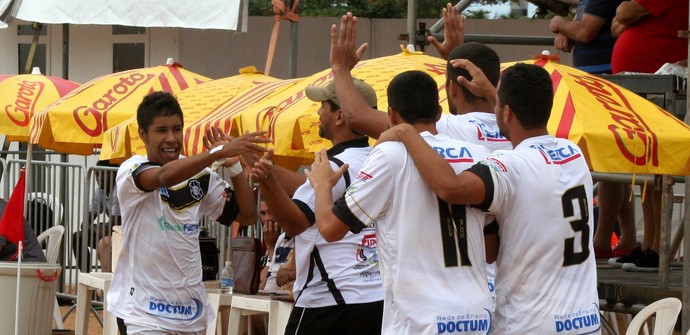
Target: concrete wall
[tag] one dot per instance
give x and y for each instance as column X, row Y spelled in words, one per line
column 217, row 54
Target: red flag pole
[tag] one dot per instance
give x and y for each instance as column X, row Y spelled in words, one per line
column 20, row 248
column 12, row 220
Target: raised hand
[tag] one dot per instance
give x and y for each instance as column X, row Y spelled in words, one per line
column 479, row 85
column 264, row 167
column 344, row 54
column 453, row 31
column 322, row 174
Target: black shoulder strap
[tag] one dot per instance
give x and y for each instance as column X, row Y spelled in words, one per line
column 346, row 175
column 315, row 260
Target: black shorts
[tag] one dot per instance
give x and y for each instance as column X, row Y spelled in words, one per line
column 353, row 319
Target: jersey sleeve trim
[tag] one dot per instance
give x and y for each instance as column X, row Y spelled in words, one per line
column 141, row 168
column 230, row 209
column 342, row 212
column 484, row 173
column 306, row 210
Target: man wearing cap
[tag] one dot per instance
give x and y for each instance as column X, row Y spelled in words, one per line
column 338, row 285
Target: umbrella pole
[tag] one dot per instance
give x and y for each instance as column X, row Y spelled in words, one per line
column 34, row 43
column 19, row 272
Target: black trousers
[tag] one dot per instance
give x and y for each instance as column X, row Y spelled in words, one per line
column 352, row 319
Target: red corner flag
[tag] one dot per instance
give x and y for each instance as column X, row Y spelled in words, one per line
column 12, row 220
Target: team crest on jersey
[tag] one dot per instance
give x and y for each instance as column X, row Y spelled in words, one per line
column 560, row 155
column 195, row 189
column 486, row 134
column 455, row 155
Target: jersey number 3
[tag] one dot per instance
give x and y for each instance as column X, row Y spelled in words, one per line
column 453, row 233
column 580, row 225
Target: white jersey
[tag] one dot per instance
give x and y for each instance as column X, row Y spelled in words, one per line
column 158, row 278
column 341, row 272
column 546, row 275
column 476, row 127
column 432, row 255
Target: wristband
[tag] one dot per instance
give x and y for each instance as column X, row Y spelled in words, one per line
column 233, row 170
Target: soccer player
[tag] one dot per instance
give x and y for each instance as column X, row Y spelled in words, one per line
column 338, row 285
column 431, row 253
column 540, row 193
column 157, row 286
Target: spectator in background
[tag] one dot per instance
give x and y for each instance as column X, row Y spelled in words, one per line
column 278, row 246
column 589, row 38
column 32, row 251
column 647, row 33
column 104, row 213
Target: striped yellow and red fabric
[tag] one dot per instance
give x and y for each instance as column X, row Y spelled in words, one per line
column 212, row 97
column 293, row 122
column 619, row 131
column 22, row 96
column 75, row 124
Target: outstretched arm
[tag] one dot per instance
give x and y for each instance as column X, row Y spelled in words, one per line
column 583, row 31
column 465, row 188
column 344, row 56
column 453, row 31
column 284, row 210
column 322, row 179
column 182, row 169
column 289, row 180
column 244, row 197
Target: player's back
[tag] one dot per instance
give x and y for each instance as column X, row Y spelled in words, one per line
column 432, row 254
column 546, row 276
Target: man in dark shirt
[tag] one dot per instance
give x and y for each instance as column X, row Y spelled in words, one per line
column 32, row 250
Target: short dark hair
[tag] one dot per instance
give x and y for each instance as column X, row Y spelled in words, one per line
column 414, row 95
column 480, row 55
column 157, row 104
column 528, row 90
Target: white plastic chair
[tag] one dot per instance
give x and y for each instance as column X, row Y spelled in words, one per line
column 666, row 311
column 53, row 235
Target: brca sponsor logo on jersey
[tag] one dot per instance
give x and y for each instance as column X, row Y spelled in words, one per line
column 455, row 155
column 585, row 321
column 560, row 155
column 187, row 227
column 486, row 134
column 176, row 310
column 479, row 323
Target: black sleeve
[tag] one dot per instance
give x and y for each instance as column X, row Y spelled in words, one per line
column 306, row 210
column 143, row 167
column 491, row 228
column 231, row 210
column 484, row 172
column 342, row 212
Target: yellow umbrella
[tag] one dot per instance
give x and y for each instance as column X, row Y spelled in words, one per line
column 226, row 116
column 292, row 119
column 618, row 130
column 75, row 124
column 21, row 96
column 122, row 141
